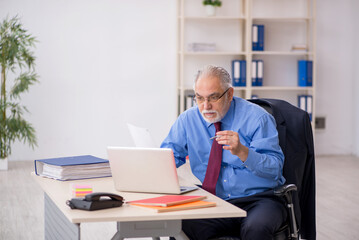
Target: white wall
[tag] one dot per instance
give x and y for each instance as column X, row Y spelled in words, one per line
column 101, row 64
column 105, row 63
column 336, row 87
column 355, row 58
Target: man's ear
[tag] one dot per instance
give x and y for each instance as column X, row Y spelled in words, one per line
column 230, row 93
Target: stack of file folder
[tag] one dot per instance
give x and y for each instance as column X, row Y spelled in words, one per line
column 72, row 168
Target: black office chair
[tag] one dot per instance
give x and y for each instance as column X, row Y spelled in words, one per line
column 296, row 140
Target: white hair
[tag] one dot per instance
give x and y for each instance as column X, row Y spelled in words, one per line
column 214, row 71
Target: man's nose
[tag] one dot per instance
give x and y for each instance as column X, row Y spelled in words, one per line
column 207, row 105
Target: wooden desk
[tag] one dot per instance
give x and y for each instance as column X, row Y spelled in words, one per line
column 62, row 222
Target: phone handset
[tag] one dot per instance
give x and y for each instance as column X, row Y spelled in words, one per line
column 96, row 201
column 98, row 195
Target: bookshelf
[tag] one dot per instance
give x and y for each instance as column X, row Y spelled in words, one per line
column 230, row 30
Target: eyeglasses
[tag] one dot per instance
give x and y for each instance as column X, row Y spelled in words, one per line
column 210, row 99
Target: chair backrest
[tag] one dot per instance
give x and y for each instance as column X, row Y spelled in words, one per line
column 296, row 140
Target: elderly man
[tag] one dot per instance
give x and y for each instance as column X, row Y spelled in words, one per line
column 234, row 151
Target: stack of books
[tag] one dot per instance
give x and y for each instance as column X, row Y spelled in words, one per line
column 73, row 168
column 168, row 203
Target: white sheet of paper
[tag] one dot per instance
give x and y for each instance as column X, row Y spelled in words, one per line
column 141, row 136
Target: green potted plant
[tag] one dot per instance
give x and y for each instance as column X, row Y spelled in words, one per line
column 17, row 74
column 211, row 5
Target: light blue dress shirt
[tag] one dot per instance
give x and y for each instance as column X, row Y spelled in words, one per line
column 190, row 135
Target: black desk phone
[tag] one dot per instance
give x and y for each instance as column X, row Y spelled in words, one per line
column 96, row 201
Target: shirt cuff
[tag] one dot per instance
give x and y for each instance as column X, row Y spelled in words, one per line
column 179, row 161
column 250, row 163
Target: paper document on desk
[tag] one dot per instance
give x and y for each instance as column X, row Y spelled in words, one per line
column 141, row 137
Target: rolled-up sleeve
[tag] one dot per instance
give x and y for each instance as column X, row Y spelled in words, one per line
column 265, row 157
column 176, row 140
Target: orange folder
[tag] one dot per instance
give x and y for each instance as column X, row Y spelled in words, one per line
column 183, row 206
column 168, row 200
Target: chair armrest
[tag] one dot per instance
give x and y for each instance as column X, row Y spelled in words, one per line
column 285, row 192
column 284, row 189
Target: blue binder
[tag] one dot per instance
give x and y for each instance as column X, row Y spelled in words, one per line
column 305, row 102
column 243, row 74
column 254, row 72
column 236, row 73
column 305, row 73
column 302, row 102
column 255, row 41
column 261, row 38
column 257, row 37
column 259, row 81
column 70, row 162
column 239, row 73
column 309, row 73
column 257, row 73
column 309, row 105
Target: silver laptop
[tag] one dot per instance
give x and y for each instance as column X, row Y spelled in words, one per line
column 151, row 170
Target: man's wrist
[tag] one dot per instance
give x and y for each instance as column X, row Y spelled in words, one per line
column 243, row 153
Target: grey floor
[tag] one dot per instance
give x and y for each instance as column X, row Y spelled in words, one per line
column 21, row 202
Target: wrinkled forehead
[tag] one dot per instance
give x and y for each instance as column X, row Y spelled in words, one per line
column 208, row 85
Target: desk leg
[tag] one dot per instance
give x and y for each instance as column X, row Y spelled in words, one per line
column 57, row 226
column 153, row 229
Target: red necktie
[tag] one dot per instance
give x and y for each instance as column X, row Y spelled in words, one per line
column 214, row 164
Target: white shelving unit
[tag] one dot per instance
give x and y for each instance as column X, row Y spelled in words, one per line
column 286, row 23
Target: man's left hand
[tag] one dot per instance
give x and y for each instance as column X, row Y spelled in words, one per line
column 230, row 141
